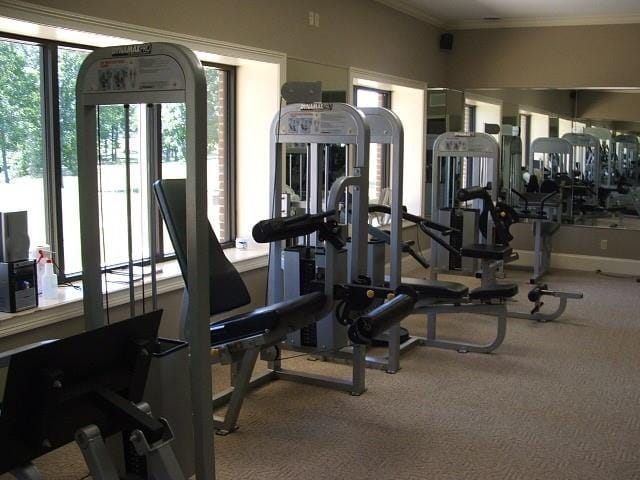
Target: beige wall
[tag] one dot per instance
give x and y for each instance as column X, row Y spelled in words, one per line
column 359, row 33
column 578, row 240
column 617, row 106
column 554, row 57
column 552, row 101
column 332, row 77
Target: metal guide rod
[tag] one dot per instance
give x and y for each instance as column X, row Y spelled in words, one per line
column 152, row 73
column 154, row 147
column 127, row 163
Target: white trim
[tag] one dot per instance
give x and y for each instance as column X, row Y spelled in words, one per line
column 544, row 22
column 388, row 80
column 584, row 263
column 64, row 19
column 415, row 12
column 477, row 97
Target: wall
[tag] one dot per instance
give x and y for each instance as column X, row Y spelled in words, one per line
column 332, row 78
column 359, row 33
column 553, row 57
column 619, row 106
column 555, row 101
column 579, row 240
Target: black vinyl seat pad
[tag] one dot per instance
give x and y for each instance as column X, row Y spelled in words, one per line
column 487, row 252
column 439, row 290
column 295, row 314
column 435, row 288
column 506, row 290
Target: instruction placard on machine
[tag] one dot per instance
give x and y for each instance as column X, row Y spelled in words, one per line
column 318, row 123
column 157, row 72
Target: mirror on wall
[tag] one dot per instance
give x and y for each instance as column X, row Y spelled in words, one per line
column 582, row 144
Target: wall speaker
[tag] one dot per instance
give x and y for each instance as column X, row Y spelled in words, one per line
column 14, row 236
column 446, row 41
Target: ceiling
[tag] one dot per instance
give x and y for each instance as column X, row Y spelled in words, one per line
column 519, row 13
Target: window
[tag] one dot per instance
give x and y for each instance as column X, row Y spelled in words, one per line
column 379, row 155
column 469, row 118
column 22, row 167
column 525, row 136
column 39, row 165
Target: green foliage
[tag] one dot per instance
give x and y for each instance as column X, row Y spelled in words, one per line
column 174, row 120
column 69, row 61
column 21, row 151
column 21, row 114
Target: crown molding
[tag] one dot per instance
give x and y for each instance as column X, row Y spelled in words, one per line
column 545, row 22
column 413, row 11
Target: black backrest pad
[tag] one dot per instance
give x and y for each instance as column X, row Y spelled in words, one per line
column 226, row 288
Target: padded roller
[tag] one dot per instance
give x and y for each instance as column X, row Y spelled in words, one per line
column 369, row 326
column 289, row 314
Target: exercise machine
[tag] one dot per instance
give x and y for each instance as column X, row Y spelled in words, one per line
column 241, row 339
column 336, row 255
column 461, row 160
column 86, row 388
column 150, row 74
column 481, row 247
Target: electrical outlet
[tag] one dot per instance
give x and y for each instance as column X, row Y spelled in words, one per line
column 603, row 244
column 312, row 19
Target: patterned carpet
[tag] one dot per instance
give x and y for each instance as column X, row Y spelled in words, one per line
column 556, row 401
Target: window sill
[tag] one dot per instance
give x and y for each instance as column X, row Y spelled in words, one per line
column 69, row 302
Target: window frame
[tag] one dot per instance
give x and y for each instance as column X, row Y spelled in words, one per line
column 386, row 150
column 525, row 136
column 470, row 117
column 52, row 155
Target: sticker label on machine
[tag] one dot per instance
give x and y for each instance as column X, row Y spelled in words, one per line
column 318, row 123
column 463, row 145
column 157, row 72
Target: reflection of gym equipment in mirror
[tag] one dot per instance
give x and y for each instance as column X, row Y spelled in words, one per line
column 585, row 176
column 547, row 197
column 483, row 235
column 626, row 164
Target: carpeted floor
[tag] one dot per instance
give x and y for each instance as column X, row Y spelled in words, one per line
column 556, row 401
